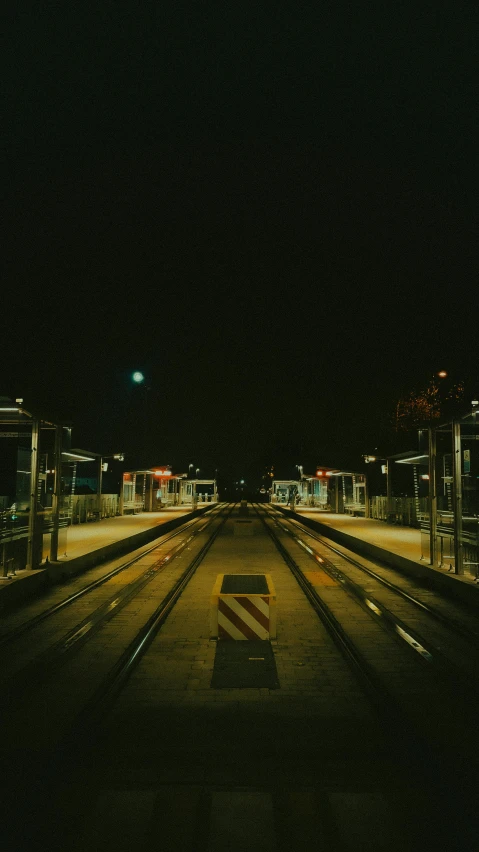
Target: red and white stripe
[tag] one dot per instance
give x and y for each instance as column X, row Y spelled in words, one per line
column 243, row 617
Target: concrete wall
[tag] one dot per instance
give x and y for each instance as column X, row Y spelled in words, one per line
column 26, row 585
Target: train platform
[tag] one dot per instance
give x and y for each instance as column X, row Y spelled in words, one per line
column 405, row 541
column 84, row 545
column 398, row 546
column 83, row 538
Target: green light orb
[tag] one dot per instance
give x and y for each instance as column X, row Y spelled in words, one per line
column 138, row 377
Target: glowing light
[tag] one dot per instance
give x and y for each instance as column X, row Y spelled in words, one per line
column 442, row 374
column 319, row 473
column 138, row 377
column 77, row 457
column 412, row 642
column 329, row 473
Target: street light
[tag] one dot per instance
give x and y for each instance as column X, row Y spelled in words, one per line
column 139, row 380
column 197, row 472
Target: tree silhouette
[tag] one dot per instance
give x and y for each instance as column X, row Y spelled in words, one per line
column 428, row 406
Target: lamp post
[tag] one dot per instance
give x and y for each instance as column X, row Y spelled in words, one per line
column 139, row 379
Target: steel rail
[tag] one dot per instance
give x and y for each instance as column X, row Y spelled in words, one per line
column 33, row 672
column 38, row 619
column 123, row 668
column 451, row 624
column 381, row 698
column 436, row 769
column 390, row 622
column 389, row 712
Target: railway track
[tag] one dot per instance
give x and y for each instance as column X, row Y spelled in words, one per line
column 442, row 632
column 151, row 583
column 357, row 708
column 10, row 634
column 422, row 691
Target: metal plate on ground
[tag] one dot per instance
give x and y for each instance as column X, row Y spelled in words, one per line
column 244, row 584
column 245, row 665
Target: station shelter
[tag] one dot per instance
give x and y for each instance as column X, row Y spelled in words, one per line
column 347, row 493
column 197, row 491
column 318, row 488
column 305, row 491
column 288, row 491
column 328, row 489
column 450, row 525
column 152, row 489
column 38, row 487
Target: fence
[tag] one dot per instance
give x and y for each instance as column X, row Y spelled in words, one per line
column 81, row 508
column 405, row 511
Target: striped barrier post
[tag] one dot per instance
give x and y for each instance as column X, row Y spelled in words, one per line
column 243, row 606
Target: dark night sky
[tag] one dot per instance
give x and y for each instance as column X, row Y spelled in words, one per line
column 271, row 213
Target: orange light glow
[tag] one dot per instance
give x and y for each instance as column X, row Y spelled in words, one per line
column 442, row 374
column 319, row 473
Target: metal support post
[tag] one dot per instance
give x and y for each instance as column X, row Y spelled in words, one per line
column 336, row 495
column 56, row 494
column 99, row 483
column 121, row 501
column 457, row 497
column 432, row 498
column 32, row 555
column 389, row 489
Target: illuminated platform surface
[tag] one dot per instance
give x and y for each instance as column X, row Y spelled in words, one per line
column 83, row 538
column 179, row 765
column 405, row 541
column 404, row 548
